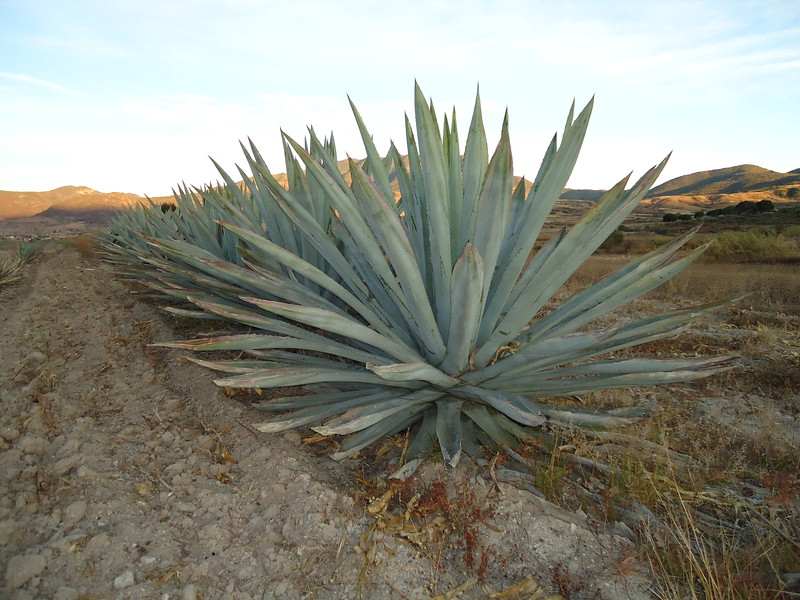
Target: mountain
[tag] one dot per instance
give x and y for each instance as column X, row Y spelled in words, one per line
column 67, row 210
column 590, row 195
column 733, row 180
column 73, row 209
column 72, row 199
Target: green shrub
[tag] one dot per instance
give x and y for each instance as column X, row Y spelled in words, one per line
column 756, row 245
column 613, row 241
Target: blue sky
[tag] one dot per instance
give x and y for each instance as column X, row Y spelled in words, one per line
column 135, row 96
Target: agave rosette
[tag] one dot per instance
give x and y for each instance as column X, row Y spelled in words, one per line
column 418, row 311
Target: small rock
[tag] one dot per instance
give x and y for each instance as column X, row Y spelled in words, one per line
column 9, row 434
column 282, row 587
column 74, row 513
column 125, row 580
column 147, row 560
column 24, row 567
column 63, row 466
column 292, row 436
column 71, row 446
column 189, row 592
column 85, row 472
column 31, row 444
column 171, row 404
column 66, row 593
column 29, row 368
column 7, row 529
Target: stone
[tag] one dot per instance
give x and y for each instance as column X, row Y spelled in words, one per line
column 74, row 513
column 7, row 528
column 125, row 580
column 24, row 567
column 66, row 593
column 189, row 592
column 31, row 444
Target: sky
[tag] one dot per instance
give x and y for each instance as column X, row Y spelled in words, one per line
column 136, row 96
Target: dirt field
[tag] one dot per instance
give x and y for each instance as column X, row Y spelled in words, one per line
column 127, row 474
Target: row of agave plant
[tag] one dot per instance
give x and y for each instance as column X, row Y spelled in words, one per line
column 408, row 294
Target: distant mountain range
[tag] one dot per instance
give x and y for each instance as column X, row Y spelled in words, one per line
column 69, row 209
column 67, row 199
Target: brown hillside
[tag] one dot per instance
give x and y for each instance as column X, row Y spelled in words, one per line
column 733, row 180
column 75, row 199
column 711, row 201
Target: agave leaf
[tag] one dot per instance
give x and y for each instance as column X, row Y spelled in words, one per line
column 238, row 367
column 611, row 292
column 364, row 240
column 455, row 178
column 437, row 217
column 271, row 342
column 361, row 417
column 622, row 366
column 291, row 376
column 413, row 372
column 597, row 419
column 192, row 314
column 254, row 319
column 520, row 409
column 476, row 161
column 448, row 430
column 424, row 438
column 388, row 426
column 352, row 278
column 541, row 200
column 319, row 400
column 307, row 270
column 338, row 324
column 490, row 424
column 541, row 385
column 494, row 206
column 385, row 222
column 465, row 314
column 551, row 352
column 376, row 168
column 583, row 239
column 226, row 342
column 313, row 414
column 409, row 205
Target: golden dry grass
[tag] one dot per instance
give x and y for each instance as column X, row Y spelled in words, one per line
column 727, row 519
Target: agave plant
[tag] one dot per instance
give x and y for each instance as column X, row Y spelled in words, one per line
column 408, row 294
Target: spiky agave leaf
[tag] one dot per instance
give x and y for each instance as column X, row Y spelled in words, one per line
column 419, row 311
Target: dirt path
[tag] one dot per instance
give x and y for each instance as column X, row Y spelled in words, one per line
column 127, row 474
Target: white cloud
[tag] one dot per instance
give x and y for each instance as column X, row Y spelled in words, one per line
column 44, row 84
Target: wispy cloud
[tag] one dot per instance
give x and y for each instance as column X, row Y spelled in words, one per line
column 45, row 84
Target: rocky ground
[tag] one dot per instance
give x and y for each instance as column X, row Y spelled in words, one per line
column 127, row 474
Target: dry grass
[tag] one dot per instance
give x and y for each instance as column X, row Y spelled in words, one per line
column 770, row 289
column 717, row 510
column 85, row 245
column 16, row 257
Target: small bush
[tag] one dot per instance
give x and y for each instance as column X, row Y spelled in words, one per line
column 793, row 231
column 613, row 241
column 84, row 244
column 748, row 246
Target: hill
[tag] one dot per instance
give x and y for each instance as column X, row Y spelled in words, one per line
column 66, row 199
column 63, row 211
column 72, row 209
column 732, row 180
